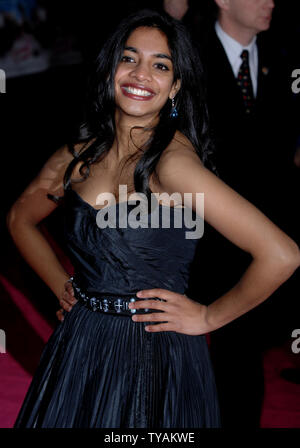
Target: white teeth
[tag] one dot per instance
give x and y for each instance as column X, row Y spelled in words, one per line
column 138, row 92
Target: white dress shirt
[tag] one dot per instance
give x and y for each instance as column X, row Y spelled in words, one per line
column 233, row 50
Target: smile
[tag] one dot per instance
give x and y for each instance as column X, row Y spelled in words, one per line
column 137, row 93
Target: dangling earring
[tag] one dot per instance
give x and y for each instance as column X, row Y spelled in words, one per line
column 174, row 113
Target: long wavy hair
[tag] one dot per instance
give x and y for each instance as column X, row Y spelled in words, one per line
column 98, row 130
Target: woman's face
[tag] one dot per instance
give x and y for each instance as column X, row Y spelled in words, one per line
column 144, row 76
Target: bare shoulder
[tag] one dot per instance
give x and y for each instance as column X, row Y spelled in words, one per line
column 34, row 203
column 52, row 172
column 179, row 155
column 63, row 156
column 50, row 177
column 55, row 167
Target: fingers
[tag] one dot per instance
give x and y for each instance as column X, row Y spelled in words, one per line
column 60, row 314
column 67, row 305
column 163, row 317
column 68, row 294
column 160, row 327
column 152, row 304
column 69, row 288
column 172, row 305
column 164, row 294
column 149, row 317
column 154, row 317
column 68, row 299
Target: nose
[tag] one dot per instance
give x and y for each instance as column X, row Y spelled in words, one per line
column 270, row 4
column 141, row 72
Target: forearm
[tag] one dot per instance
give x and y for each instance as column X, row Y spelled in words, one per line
column 40, row 256
column 259, row 281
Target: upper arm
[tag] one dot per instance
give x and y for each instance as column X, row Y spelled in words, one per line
column 224, row 209
column 33, row 205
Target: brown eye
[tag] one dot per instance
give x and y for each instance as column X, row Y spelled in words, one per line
column 162, row 67
column 127, row 59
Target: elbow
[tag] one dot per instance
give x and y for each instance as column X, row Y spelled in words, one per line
column 19, row 221
column 289, row 258
column 297, row 258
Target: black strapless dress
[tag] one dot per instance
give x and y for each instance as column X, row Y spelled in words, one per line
column 102, row 370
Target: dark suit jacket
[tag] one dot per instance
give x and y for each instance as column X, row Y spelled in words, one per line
column 253, row 155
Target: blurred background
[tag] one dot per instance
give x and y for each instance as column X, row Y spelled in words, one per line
column 46, row 50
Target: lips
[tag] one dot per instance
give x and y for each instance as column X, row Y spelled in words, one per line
column 137, row 92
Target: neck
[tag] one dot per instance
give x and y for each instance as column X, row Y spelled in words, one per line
column 128, row 140
column 239, row 33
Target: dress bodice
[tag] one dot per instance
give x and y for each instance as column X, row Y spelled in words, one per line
column 125, row 259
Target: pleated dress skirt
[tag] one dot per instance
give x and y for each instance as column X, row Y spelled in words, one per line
column 102, row 370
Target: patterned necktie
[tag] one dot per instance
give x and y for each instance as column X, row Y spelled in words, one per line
column 244, row 82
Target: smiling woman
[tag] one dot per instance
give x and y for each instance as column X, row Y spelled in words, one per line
column 130, row 350
column 143, row 77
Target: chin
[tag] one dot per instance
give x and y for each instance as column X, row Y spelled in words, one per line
column 264, row 25
column 138, row 115
column 137, row 112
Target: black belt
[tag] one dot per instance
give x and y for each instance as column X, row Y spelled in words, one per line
column 111, row 304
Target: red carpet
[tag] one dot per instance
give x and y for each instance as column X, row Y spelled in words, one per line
column 27, row 331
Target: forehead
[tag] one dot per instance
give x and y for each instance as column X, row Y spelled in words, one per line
column 150, row 40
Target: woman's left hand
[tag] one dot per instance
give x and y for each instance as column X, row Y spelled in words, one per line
column 180, row 313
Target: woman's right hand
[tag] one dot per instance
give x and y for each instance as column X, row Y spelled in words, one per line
column 67, row 301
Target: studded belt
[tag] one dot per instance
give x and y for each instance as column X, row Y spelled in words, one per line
column 109, row 303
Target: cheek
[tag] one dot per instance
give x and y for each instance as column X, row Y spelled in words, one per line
column 165, row 87
column 118, row 74
column 121, row 71
column 245, row 11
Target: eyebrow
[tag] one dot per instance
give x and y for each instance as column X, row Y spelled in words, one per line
column 157, row 55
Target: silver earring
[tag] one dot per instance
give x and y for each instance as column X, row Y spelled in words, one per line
column 174, row 113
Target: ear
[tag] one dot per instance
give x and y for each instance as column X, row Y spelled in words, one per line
column 175, row 88
column 222, row 4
